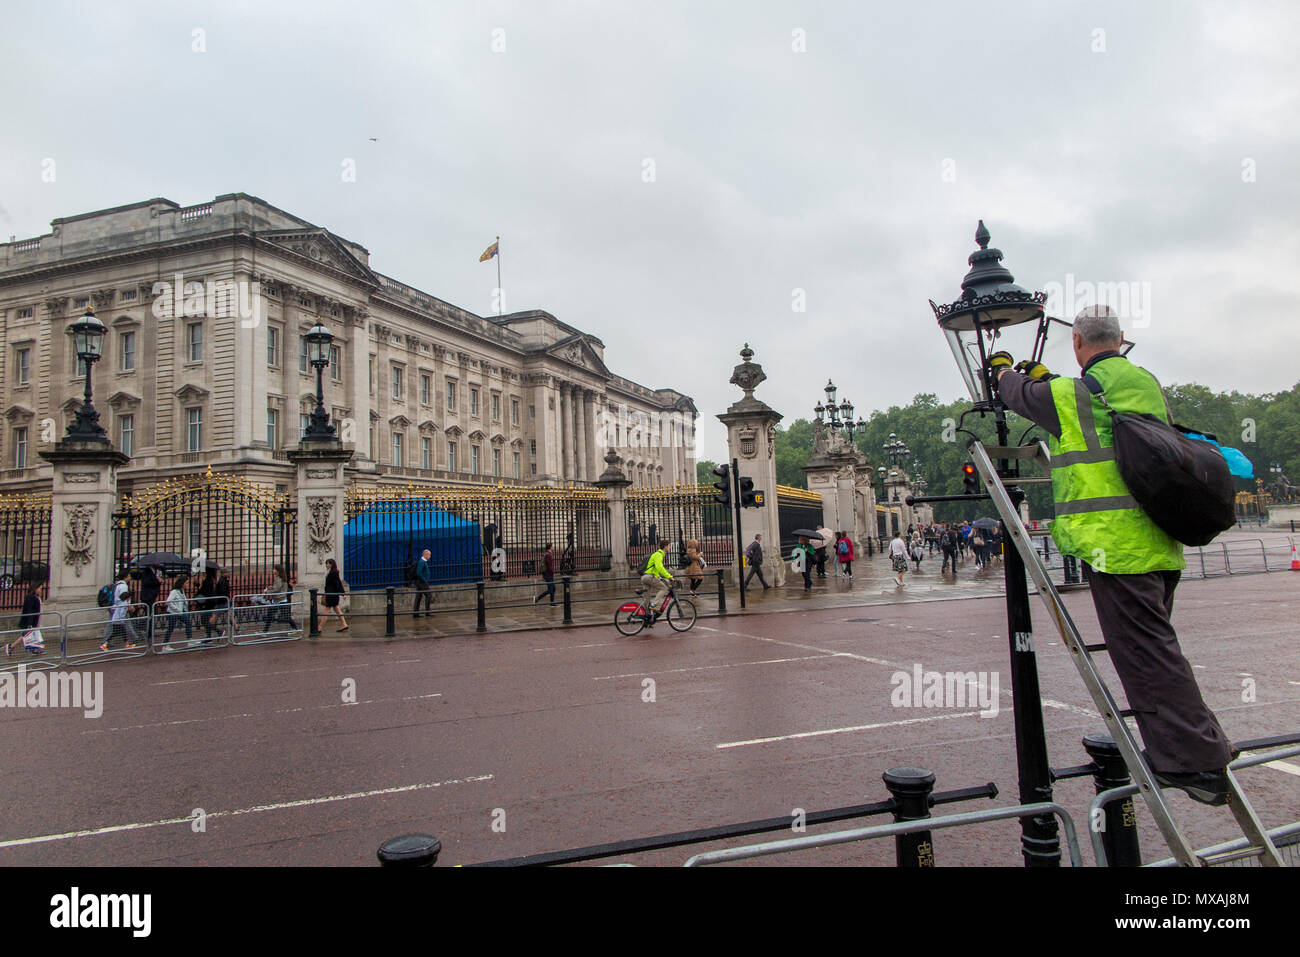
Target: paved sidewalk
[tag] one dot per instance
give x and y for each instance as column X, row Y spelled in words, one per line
column 872, row 584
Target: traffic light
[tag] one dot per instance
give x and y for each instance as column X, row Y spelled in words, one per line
column 970, row 479
column 748, row 497
column 723, row 485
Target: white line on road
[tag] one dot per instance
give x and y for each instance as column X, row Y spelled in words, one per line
column 734, row 664
column 859, row 727
column 598, row 644
column 1286, row 766
column 263, row 674
column 306, row 802
column 258, row 714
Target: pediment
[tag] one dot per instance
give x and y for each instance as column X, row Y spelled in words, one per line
column 400, row 421
column 577, row 351
column 428, row 425
column 190, row 391
column 20, row 413
column 478, row 435
column 123, row 399
column 498, row 439
column 70, row 405
column 454, row 430
column 320, row 246
column 516, row 443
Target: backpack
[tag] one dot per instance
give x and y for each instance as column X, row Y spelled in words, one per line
column 105, row 597
column 842, row 547
column 412, row 572
column 1183, row 484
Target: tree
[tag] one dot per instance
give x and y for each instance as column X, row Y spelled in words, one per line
column 704, row 472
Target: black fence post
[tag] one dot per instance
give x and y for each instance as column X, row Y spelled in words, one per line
column 722, row 594
column 390, row 623
column 1071, row 569
column 313, row 617
column 482, row 608
column 568, row 607
column 1119, row 834
column 911, row 789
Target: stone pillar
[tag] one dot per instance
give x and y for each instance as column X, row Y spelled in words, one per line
column 321, row 517
column 580, row 430
column 81, row 522
column 615, row 484
column 566, row 433
column 590, row 464
column 751, row 436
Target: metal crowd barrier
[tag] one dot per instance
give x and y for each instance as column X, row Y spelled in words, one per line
column 51, row 628
column 896, row 830
column 91, row 635
column 258, row 619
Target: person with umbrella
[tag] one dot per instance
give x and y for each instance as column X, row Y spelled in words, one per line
column 804, row 547
column 150, row 589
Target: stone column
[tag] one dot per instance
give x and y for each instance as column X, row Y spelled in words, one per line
column 566, row 435
column 751, row 432
column 321, row 517
column 615, row 484
column 580, row 430
column 81, row 522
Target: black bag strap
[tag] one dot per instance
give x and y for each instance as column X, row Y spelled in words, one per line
column 1095, row 388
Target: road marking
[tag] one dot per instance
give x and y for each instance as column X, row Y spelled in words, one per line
column 258, row 714
column 734, row 664
column 1286, row 766
column 305, row 802
column 598, row 644
column 263, row 674
column 859, row 727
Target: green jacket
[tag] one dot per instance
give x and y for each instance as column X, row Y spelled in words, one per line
column 1097, row 519
column 655, row 565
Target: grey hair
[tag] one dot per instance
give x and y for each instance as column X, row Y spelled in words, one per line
column 1098, row 325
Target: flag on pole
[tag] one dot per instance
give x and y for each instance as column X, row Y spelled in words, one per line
column 489, row 252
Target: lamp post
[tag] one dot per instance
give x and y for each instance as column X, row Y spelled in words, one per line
column 88, row 343
column 990, row 302
column 318, row 354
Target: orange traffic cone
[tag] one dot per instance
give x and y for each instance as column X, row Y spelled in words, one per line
column 1295, row 559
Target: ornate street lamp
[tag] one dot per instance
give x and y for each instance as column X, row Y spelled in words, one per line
column 88, row 342
column 318, row 354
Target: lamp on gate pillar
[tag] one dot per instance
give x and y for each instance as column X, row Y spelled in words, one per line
column 88, row 342
column 991, row 302
column 318, row 354
column 838, row 417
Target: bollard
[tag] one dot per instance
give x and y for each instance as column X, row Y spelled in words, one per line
column 870, row 551
column 568, row 608
column 1119, row 834
column 911, row 789
column 409, row 850
column 482, row 608
column 722, row 594
column 390, row 623
column 313, row 618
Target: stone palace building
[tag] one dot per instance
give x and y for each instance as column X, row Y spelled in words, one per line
column 205, row 364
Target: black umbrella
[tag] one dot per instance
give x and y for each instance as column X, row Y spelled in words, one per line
column 988, row 524
column 805, row 533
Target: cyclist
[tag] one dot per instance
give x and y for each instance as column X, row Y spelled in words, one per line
column 655, row 581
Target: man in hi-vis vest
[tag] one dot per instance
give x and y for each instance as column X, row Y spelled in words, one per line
column 1133, row 566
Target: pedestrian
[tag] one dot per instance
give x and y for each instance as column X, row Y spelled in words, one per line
column 977, row 546
column 177, row 613
column 220, row 599
column 548, row 574
column 655, row 581
column 820, row 547
column 809, row 557
column 423, row 578
column 694, row 565
column 930, row 538
column 29, row 622
column 150, row 589
column 754, row 559
column 1096, row 515
column 207, row 599
column 917, row 552
column 334, row 593
column 281, row 600
column 898, row 557
column 119, row 621
column 844, row 552
column 948, row 546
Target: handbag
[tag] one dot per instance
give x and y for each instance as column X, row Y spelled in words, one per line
column 34, row 640
column 345, row 600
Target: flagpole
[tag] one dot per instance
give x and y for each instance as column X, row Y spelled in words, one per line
column 500, row 292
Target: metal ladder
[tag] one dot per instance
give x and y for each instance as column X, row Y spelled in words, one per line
column 1081, row 654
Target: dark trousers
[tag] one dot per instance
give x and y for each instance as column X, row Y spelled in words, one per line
column 422, row 591
column 548, row 590
column 949, row 558
column 1179, row 730
column 821, row 562
column 755, row 570
column 807, row 578
column 695, row 584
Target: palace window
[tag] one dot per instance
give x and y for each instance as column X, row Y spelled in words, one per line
column 126, row 353
column 194, row 341
column 473, row 455
column 496, row 462
column 336, row 364
column 304, row 420
column 514, row 412
column 451, row 395
column 397, row 382
column 303, row 364
column 451, row 456
column 473, row 401
column 273, row 428
column 20, row 448
column 426, row 452
column 127, row 295
column 272, row 346
column 25, row 312
column 398, row 440
column 23, row 365
column 496, row 407
column 426, row 389
column 193, row 430
column 515, row 464
column 126, row 434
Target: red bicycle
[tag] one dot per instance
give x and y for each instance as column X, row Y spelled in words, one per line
column 632, row 616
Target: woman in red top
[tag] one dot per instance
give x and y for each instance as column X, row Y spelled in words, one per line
column 844, row 552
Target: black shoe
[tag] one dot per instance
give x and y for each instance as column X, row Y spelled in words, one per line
column 1208, row 787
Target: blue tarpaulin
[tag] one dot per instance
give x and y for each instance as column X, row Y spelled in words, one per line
column 1238, row 464
column 379, row 542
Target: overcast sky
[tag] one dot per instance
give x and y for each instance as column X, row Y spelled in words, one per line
column 843, row 149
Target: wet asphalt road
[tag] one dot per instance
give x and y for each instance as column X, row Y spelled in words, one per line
column 547, row 735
